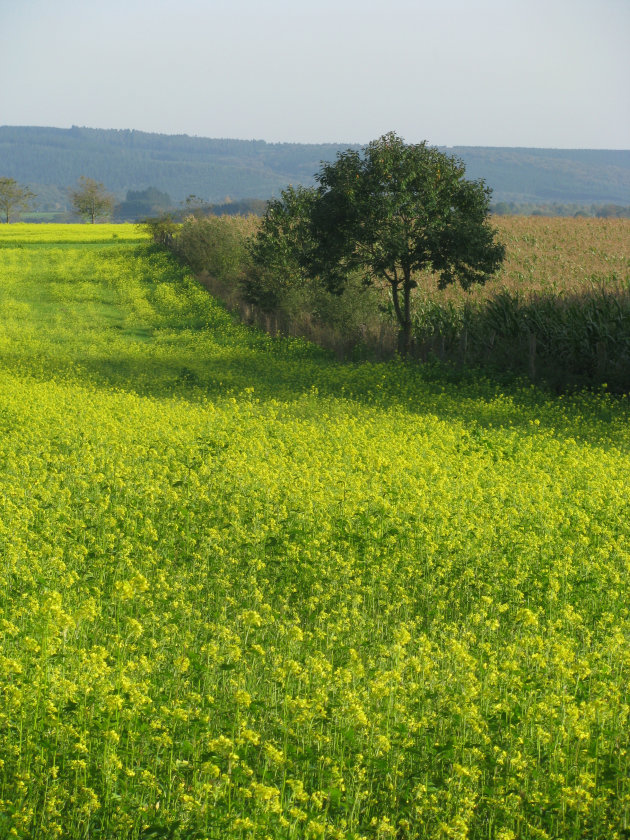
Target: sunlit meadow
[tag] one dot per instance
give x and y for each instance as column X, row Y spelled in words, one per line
column 249, row 592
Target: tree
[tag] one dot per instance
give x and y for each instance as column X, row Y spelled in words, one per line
column 14, row 198
column 143, row 204
column 162, row 229
column 281, row 249
column 389, row 212
column 284, row 242
column 194, row 205
column 90, row 199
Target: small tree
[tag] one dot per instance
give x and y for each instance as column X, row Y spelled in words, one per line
column 388, row 212
column 284, row 244
column 14, row 198
column 162, row 229
column 91, row 200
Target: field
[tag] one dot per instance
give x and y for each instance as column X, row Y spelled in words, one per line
column 559, row 307
column 557, row 255
column 249, row 592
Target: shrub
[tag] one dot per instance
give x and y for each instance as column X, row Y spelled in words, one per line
column 162, row 229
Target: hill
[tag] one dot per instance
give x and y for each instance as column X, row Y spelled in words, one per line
column 51, row 159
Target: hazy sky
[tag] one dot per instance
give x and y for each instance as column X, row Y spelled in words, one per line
column 454, row 72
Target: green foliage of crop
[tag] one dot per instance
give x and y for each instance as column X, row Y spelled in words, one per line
column 565, row 286
column 247, row 592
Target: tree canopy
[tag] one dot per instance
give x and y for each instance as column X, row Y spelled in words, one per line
column 14, row 198
column 142, row 204
column 90, row 199
column 389, row 212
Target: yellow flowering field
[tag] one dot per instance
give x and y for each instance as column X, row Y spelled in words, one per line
column 249, row 592
column 22, row 233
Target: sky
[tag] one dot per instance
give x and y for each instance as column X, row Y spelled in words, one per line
column 534, row 73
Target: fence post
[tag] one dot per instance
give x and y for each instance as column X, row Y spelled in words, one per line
column 463, row 344
column 532, row 354
column 601, row 358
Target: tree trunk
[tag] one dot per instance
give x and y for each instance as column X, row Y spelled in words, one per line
column 403, row 313
column 404, row 340
column 405, row 326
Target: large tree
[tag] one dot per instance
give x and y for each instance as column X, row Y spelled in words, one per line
column 14, row 198
column 90, row 199
column 389, row 212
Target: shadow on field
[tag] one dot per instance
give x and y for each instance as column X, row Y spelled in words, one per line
column 434, row 389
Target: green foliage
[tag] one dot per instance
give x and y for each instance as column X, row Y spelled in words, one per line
column 558, row 310
column 560, row 278
column 612, row 211
column 14, row 198
column 219, row 250
column 242, row 207
column 400, row 209
column 580, row 338
column 216, row 245
column 141, row 204
column 284, row 240
column 90, row 199
column 389, row 212
column 162, row 229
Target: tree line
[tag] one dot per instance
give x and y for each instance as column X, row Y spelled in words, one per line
column 528, row 208
column 90, row 200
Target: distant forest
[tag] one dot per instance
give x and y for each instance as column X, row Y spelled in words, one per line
column 172, row 168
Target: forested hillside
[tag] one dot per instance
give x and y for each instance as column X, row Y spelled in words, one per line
column 51, row 159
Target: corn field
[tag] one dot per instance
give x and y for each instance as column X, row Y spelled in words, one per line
column 559, row 308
